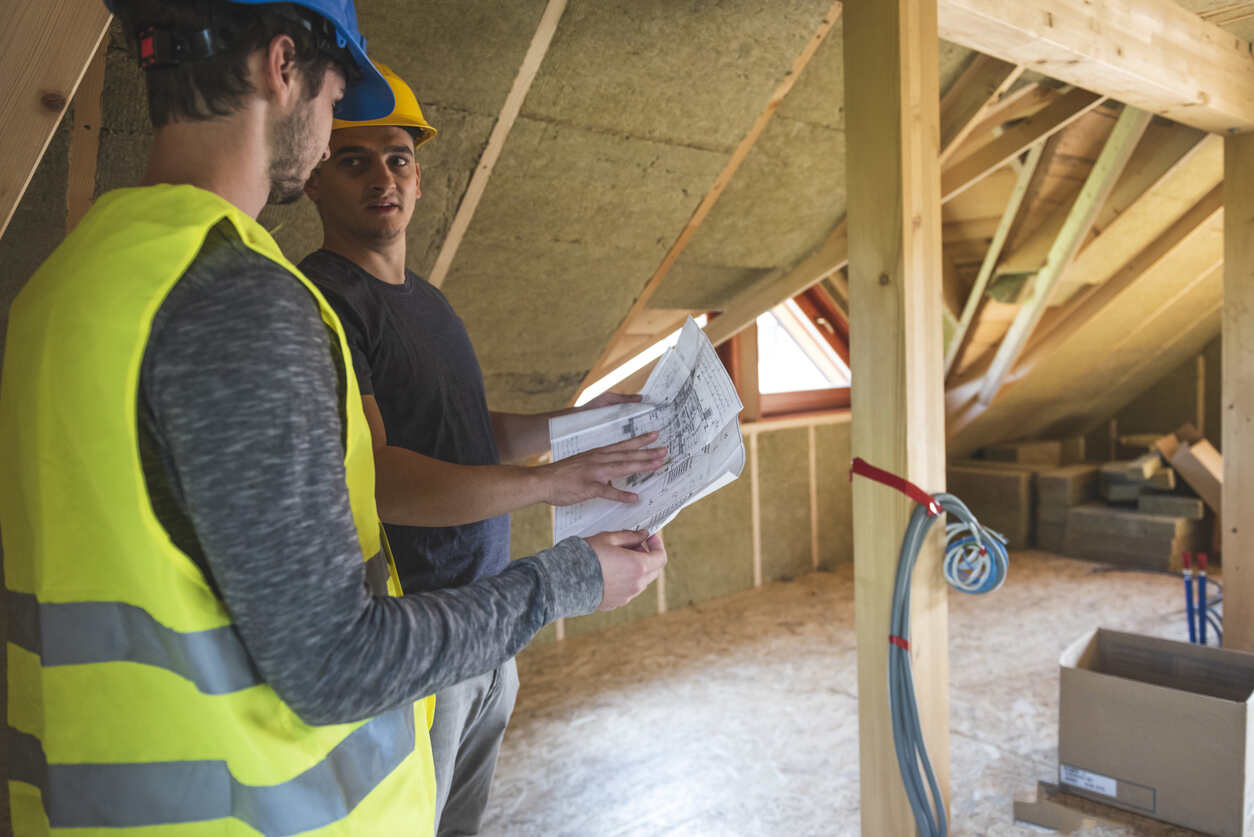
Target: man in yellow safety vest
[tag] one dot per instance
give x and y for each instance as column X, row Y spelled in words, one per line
column 208, row 633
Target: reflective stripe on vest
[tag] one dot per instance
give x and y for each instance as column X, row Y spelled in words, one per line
column 136, row 795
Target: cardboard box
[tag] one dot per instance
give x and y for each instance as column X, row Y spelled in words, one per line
column 1159, row 727
column 1202, row 467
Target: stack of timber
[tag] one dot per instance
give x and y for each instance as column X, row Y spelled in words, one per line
column 1130, row 538
column 1057, row 491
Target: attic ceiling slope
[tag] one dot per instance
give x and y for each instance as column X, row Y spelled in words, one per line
column 631, row 117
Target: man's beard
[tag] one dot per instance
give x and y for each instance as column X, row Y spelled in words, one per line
column 289, row 156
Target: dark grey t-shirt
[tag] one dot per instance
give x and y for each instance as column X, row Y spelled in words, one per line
column 412, row 353
column 242, row 448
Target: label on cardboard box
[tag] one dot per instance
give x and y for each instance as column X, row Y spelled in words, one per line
column 1087, row 780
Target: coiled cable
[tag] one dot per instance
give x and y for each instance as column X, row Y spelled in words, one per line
column 976, row 561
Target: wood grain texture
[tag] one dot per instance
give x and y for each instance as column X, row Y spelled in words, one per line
column 895, row 293
column 46, row 46
column 1151, row 54
column 1238, row 392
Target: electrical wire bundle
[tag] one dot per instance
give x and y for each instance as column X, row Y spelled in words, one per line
column 976, row 561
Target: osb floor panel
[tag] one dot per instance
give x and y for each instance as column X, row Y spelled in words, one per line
column 739, row 716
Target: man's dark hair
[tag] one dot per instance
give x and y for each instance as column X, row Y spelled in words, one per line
column 205, row 88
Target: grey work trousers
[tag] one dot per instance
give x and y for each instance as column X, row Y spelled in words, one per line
column 470, row 720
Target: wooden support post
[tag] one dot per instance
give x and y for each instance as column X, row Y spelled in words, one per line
column 1026, row 169
column 1123, row 139
column 746, row 349
column 46, row 45
column 1238, row 392
column 894, row 213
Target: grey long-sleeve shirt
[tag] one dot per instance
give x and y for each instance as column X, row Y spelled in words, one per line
column 242, row 446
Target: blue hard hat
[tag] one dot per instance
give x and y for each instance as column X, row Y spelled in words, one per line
column 368, row 96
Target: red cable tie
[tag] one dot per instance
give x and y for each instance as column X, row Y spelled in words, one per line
column 893, row 639
column 865, row 469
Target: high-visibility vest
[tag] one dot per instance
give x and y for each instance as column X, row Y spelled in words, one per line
column 133, row 702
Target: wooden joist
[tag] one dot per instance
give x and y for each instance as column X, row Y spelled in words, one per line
column 46, row 46
column 971, row 169
column 1151, row 54
column 1123, row 139
column 970, row 98
column 1026, row 170
column 894, row 213
column 1084, row 307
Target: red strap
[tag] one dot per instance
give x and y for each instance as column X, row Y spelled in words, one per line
column 893, row 639
column 865, row 469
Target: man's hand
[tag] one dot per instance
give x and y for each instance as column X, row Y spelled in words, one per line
column 605, row 399
column 629, row 563
column 588, row 474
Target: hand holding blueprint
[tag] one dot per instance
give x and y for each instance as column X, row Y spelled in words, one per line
column 692, row 404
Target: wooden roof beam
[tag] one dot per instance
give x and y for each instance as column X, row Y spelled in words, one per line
column 1152, row 54
column 45, row 47
column 969, row 99
column 1115, row 154
column 973, row 168
column 1026, row 169
column 1083, row 308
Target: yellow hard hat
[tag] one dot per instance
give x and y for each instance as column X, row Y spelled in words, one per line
column 406, row 114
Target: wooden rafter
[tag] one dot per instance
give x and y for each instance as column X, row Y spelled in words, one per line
column 1152, row 54
column 832, row 255
column 1129, row 215
column 962, row 402
column 969, row 99
column 1123, row 139
column 527, row 71
column 1026, row 170
column 971, row 169
column 46, row 46
column 604, row 362
column 1083, row 308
